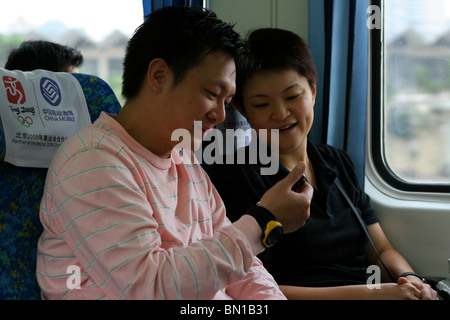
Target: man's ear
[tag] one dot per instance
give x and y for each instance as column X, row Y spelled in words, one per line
column 157, row 74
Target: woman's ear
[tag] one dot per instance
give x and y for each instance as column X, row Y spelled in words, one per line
column 314, row 92
column 157, row 74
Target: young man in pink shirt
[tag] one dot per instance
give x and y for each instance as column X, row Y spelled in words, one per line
column 135, row 218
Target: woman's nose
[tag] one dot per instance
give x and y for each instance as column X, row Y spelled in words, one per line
column 280, row 112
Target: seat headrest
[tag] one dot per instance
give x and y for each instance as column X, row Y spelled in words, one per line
column 38, row 111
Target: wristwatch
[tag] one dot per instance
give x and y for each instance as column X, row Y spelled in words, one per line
column 405, row 274
column 272, row 230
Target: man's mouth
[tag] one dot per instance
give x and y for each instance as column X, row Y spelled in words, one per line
column 206, row 130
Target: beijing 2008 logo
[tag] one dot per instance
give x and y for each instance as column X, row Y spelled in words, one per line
column 50, row 91
column 14, row 90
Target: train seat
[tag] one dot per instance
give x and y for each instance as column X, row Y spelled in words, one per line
column 38, row 110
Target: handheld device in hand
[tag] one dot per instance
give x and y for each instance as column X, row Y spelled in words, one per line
column 300, row 182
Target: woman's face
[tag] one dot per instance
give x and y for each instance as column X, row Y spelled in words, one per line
column 283, row 100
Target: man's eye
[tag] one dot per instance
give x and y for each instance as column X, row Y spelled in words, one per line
column 261, row 105
column 212, row 94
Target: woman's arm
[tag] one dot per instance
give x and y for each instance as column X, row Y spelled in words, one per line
column 387, row 291
column 393, row 260
column 396, row 263
column 411, row 287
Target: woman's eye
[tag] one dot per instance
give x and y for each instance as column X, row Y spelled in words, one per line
column 293, row 97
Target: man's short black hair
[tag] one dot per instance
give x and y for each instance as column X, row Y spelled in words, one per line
column 182, row 36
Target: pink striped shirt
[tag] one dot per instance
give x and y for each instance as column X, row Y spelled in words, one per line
column 141, row 227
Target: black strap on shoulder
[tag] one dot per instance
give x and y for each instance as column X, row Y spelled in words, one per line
column 363, row 224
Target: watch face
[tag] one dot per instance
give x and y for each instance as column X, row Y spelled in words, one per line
column 274, row 236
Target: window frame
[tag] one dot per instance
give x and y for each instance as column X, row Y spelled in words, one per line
column 377, row 111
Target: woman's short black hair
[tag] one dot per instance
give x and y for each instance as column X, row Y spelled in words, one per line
column 274, row 49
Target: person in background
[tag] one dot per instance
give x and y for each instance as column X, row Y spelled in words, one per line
column 32, row 55
column 134, row 216
column 328, row 257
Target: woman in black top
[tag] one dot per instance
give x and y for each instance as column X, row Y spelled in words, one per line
column 328, row 257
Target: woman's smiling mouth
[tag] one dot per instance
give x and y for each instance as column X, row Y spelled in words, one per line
column 287, row 128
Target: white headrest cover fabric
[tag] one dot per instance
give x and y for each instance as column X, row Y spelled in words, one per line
column 39, row 110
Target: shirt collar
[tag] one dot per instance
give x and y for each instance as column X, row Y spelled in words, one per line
column 325, row 167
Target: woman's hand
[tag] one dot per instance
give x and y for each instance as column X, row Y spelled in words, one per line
column 404, row 289
column 427, row 293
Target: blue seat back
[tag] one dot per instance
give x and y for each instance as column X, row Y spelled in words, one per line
column 21, row 191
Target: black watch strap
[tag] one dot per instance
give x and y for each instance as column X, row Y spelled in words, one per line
column 405, row 274
column 272, row 230
column 262, row 216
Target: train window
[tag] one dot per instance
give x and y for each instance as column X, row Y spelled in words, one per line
column 100, row 29
column 413, row 78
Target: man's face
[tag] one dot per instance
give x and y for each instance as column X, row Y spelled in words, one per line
column 201, row 95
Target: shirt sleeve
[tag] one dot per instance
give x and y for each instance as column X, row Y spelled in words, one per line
column 109, row 224
column 258, row 284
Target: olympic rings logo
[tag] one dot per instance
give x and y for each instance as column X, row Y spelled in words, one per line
column 27, row 122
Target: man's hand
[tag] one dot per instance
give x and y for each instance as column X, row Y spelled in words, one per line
column 291, row 208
